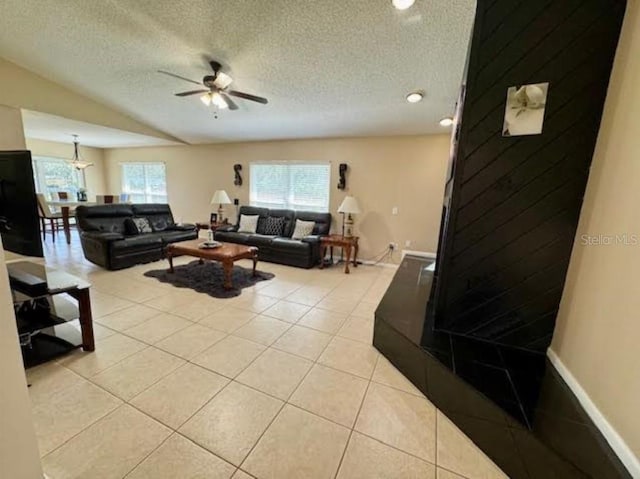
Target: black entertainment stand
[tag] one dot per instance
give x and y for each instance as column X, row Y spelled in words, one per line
column 53, row 312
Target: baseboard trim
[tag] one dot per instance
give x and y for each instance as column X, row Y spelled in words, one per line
column 422, row 254
column 619, row 446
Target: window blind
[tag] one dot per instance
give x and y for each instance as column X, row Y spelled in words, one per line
column 290, row 185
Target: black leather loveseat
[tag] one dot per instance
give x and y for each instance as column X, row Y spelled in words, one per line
column 108, row 241
column 304, row 253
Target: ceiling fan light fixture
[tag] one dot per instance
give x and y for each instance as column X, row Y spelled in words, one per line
column 446, row 121
column 403, row 4
column 415, row 97
column 218, row 101
column 206, row 99
column 223, row 80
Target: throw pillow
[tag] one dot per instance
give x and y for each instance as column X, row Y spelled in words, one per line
column 302, row 229
column 143, row 225
column 274, row 226
column 130, row 227
column 248, row 223
column 160, row 224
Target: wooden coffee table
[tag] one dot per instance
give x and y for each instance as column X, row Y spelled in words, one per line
column 226, row 254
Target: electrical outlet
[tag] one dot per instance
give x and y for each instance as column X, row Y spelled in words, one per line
column 394, row 210
column 393, row 246
column 407, row 244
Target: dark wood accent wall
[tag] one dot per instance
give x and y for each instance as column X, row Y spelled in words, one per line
column 512, row 204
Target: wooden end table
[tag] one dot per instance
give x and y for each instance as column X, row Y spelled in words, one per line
column 226, row 254
column 346, row 243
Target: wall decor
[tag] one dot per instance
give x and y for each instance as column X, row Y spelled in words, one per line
column 524, row 112
column 237, row 169
column 342, row 183
column 213, row 219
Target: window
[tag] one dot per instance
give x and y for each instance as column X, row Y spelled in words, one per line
column 54, row 174
column 145, row 182
column 290, row 185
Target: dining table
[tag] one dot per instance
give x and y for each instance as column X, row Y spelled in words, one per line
column 65, row 208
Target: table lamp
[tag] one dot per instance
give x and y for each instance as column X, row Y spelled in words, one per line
column 220, row 197
column 348, row 207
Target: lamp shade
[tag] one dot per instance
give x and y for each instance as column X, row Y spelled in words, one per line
column 349, row 205
column 220, row 197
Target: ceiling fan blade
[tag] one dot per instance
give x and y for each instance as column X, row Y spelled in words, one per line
column 247, row 96
column 230, row 102
column 178, row 76
column 192, row 92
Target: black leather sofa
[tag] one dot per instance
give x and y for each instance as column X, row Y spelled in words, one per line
column 107, row 241
column 304, row 253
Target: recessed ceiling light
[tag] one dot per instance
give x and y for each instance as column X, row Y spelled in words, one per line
column 415, row 96
column 403, row 4
column 446, row 121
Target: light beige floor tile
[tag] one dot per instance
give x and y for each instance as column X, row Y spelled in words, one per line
column 178, row 396
column 287, row 311
column 171, row 300
column 199, row 308
column 444, row 474
column 304, row 342
column 456, row 452
column 332, row 394
column 157, row 328
column 136, row 373
column 108, row 352
column 399, row 419
column 227, row 319
column 190, row 341
column 229, row 356
column 103, row 304
column 231, row 423
column 108, row 449
column 323, row 320
column 385, row 373
column 308, row 296
column 367, row 458
column 298, row 444
column 279, row 289
column 240, row 474
column 350, row 356
column 128, row 318
column 263, row 330
column 180, row 458
column 357, row 329
column 339, row 305
column 276, row 373
column 62, row 409
column 255, row 303
column 99, row 332
column 365, row 309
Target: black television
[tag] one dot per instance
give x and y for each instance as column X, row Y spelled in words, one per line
column 19, row 219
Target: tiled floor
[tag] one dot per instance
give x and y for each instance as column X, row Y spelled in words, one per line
column 280, row 382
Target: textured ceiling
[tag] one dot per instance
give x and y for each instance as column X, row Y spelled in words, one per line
column 42, row 126
column 328, row 67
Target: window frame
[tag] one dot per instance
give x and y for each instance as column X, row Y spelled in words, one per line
column 287, row 205
column 40, row 181
column 146, row 193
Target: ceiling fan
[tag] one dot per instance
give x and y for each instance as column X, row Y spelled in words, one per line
column 216, row 91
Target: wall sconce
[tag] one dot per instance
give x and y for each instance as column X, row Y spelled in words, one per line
column 237, row 169
column 342, row 183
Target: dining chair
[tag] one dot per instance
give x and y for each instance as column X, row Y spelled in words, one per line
column 63, row 195
column 107, row 199
column 45, row 213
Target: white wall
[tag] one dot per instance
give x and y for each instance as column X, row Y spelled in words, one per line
column 19, row 456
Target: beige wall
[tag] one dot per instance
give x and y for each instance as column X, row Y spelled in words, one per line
column 403, row 172
column 24, row 89
column 11, row 130
column 94, row 175
column 598, row 331
column 19, row 456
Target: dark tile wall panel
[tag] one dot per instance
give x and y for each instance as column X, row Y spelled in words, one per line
column 512, row 204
